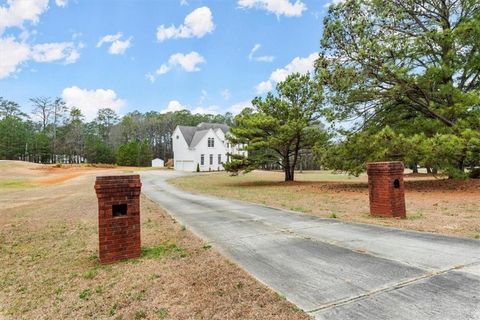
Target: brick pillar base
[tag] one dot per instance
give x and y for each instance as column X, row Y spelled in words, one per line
column 118, row 217
column 386, row 189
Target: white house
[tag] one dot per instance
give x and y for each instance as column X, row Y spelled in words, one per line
column 204, row 145
column 157, row 163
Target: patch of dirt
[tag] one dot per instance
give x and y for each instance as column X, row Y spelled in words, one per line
column 60, row 178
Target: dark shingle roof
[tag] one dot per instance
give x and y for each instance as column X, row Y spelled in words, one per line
column 188, row 133
column 197, row 137
column 193, row 135
column 206, row 125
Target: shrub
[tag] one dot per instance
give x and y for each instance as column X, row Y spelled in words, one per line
column 134, row 154
column 475, row 173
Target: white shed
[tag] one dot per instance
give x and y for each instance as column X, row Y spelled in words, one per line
column 157, row 163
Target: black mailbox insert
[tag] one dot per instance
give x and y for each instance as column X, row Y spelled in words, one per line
column 119, row 210
column 396, row 183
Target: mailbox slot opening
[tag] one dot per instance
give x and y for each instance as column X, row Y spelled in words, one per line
column 396, row 183
column 119, row 210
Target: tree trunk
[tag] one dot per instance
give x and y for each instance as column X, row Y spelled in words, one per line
column 415, row 168
column 289, row 173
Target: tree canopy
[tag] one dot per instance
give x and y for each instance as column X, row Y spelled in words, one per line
column 411, row 65
column 279, row 126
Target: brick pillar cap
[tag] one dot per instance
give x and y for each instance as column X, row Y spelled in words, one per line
column 118, row 177
column 123, row 182
column 392, row 167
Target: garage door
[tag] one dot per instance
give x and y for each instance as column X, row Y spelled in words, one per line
column 184, row 165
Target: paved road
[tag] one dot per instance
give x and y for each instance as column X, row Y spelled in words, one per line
column 332, row 269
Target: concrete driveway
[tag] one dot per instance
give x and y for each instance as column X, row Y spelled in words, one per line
column 333, row 269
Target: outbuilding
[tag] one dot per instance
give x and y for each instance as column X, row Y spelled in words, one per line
column 157, row 163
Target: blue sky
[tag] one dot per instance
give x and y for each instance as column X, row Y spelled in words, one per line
column 205, row 56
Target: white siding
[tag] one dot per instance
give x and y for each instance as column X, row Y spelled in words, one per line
column 157, row 163
column 203, row 148
column 183, row 157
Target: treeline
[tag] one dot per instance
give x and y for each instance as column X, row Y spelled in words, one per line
column 53, row 133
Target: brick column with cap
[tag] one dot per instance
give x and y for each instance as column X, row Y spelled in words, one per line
column 118, row 217
column 386, row 189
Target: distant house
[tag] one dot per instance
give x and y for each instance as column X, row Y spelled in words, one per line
column 157, row 163
column 204, row 145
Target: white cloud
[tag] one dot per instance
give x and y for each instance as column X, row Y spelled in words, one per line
column 55, row 51
column 188, row 62
column 205, row 110
column 173, row 106
column 278, row 7
column 252, row 57
column 89, row 101
column 117, row 46
column 196, row 24
column 238, row 107
column 297, row 65
column 183, row 2
column 264, row 86
column 18, row 11
column 150, row 77
column 226, row 94
column 61, row 3
column 163, row 69
column 12, row 55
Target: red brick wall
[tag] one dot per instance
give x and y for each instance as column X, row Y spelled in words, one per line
column 385, row 199
column 119, row 237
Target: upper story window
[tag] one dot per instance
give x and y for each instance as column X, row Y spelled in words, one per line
column 211, row 142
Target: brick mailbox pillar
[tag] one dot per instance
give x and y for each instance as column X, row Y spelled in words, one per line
column 386, row 189
column 118, row 217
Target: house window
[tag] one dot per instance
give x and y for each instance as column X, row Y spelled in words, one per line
column 211, row 159
column 219, row 159
column 228, row 157
column 211, row 142
column 202, row 159
column 177, row 136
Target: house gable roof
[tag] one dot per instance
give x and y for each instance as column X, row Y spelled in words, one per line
column 193, row 135
column 206, row 125
column 188, row 133
column 198, row 137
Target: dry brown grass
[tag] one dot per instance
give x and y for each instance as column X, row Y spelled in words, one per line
column 49, row 269
column 435, row 205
